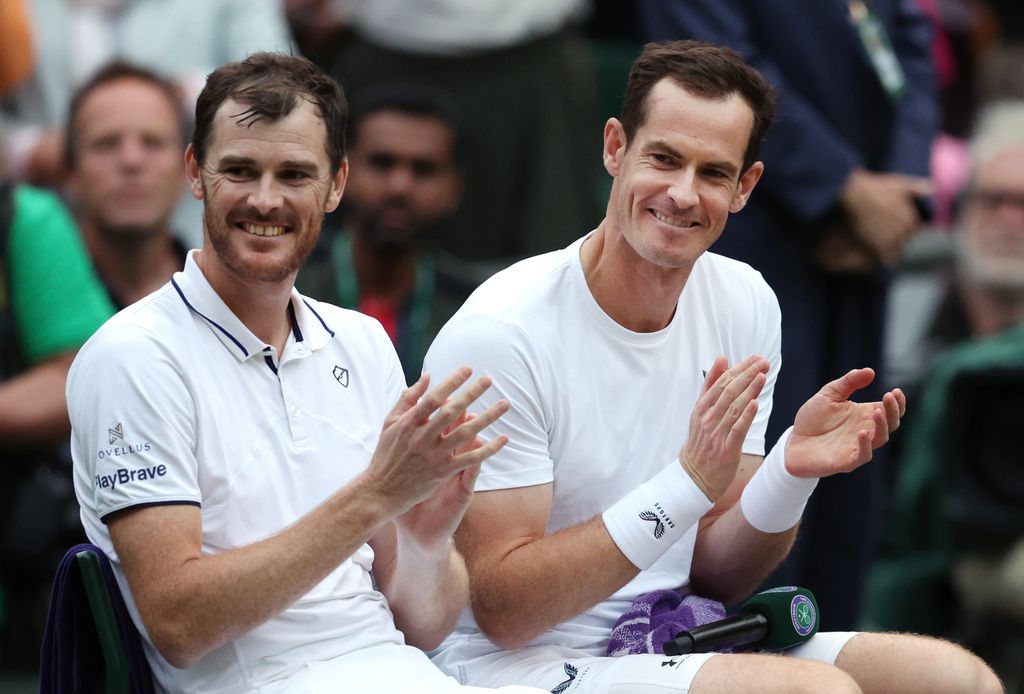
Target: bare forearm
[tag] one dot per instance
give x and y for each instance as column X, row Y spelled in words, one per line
column 731, row 558
column 427, row 593
column 32, row 405
column 204, row 601
column 546, row 581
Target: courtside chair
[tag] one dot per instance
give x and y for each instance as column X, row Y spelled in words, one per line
column 90, row 645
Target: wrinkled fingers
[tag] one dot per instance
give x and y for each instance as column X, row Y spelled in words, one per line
column 453, row 411
column 741, row 388
column 481, row 453
column 437, row 396
column 463, row 434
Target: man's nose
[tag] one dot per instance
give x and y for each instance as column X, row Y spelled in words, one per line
column 131, row 153
column 400, row 179
column 683, row 190
column 265, row 196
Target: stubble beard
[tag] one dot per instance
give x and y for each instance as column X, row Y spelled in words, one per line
column 1001, row 273
column 220, row 232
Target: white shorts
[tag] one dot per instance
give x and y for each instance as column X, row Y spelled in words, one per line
column 564, row 670
column 389, row 668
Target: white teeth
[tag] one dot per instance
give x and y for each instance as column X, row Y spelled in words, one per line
column 668, row 220
column 263, row 230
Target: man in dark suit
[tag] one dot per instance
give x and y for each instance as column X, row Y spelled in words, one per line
column 843, row 167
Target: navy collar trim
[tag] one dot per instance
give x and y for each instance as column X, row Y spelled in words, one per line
column 318, row 317
column 212, row 322
column 294, row 321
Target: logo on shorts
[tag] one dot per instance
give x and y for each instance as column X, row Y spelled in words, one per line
column 115, row 434
column 571, row 671
column 341, row 375
column 659, row 527
column 803, row 614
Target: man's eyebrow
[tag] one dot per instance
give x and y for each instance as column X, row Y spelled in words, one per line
column 236, row 160
column 726, row 166
column 233, row 160
column 302, row 164
column 662, row 146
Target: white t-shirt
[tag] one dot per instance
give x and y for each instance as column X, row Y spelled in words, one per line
column 174, row 401
column 597, row 408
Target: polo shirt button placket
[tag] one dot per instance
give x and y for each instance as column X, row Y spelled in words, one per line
column 295, row 421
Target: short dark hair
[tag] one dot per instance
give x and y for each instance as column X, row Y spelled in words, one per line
column 409, row 100
column 270, row 85
column 705, row 70
column 115, row 71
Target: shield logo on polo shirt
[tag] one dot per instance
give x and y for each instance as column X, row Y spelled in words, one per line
column 341, row 376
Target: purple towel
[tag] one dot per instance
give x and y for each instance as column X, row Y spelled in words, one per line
column 657, row 617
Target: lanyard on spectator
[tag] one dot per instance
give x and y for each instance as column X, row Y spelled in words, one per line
column 879, row 49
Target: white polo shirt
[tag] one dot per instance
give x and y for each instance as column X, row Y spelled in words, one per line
column 175, row 401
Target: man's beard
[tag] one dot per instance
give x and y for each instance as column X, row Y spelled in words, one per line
column 130, row 235
column 1002, row 272
column 418, row 234
column 219, row 231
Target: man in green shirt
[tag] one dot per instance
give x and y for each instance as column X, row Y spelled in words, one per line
column 50, row 303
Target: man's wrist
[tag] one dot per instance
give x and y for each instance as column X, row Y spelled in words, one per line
column 413, row 548
column 651, row 518
column 774, row 499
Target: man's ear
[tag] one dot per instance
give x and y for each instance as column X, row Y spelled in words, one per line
column 748, row 180
column 195, row 181
column 614, row 146
column 337, row 187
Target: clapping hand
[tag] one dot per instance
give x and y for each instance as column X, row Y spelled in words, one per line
column 831, row 434
column 429, row 456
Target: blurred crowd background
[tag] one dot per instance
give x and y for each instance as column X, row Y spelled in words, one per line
column 889, row 221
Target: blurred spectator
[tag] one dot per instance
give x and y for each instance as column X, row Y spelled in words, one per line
column 523, row 81
column 857, row 115
column 125, row 146
column 182, row 39
column 983, row 293
column 404, row 180
column 977, row 327
column 73, row 38
column 50, row 303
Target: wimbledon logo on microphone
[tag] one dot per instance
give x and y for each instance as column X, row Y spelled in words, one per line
column 803, row 614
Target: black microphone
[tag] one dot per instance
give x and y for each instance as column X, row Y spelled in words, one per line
column 771, row 620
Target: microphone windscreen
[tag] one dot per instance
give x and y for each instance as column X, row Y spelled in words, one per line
column 792, row 616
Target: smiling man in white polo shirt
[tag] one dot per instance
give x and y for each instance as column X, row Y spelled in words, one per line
column 227, row 432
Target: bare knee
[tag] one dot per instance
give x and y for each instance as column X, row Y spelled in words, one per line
column 985, row 681
column 774, row 674
column 834, row 681
column 883, row 663
column 972, row 675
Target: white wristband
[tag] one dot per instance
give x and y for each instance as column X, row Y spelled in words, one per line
column 774, row 499
column 648, row 520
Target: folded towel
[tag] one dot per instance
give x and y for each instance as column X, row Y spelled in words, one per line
column 657, row 617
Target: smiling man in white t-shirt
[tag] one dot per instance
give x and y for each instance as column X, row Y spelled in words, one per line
column 605, row 350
